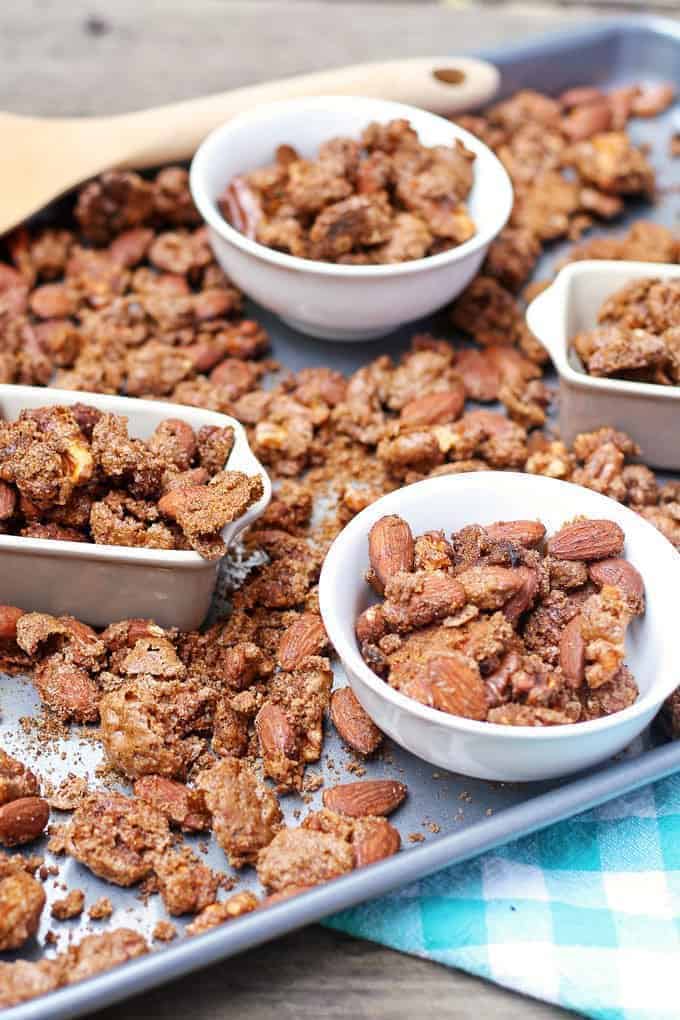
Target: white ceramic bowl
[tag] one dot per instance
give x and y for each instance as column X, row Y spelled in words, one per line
column 338, row 302
column 647, row 412
column 100, row 584
column 487, row 750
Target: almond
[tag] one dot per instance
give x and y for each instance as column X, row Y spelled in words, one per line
column 435, row 408
column 8, row 501
column 182, row 806
column 573, row 653
column 306, row 636
column 415, row 600
column 622, row 575
column 390, row 548
column 374, row 840
column 524, row 533
column 370, row 625
column 274, row 731
column 353, row 723
column 587, row 540
column 8, row 622
column 457, row 687
column 480, row 376
column 520, row 602
column 23, row 820
column 368, row 797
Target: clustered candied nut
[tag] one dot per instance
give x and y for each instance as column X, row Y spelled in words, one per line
column 638, row 334
column 187, row 718
column 498, row 625
column 383, row 199
column 74, row 473
column 129, row 301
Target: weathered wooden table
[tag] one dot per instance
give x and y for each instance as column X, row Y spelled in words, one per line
column 83, row 57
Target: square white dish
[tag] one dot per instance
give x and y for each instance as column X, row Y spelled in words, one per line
column 100, row 584
column 648, row 412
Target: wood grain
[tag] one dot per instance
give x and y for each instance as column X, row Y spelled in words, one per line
column 321, row 975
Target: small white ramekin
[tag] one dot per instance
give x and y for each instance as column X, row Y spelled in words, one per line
column 487, row 750
column 339, row 302
column 101, row 584
column 649, row 413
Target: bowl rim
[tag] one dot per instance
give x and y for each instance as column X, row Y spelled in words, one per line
column 343, row 639
column 208, row 209
column 180, row 559
column 559, row 294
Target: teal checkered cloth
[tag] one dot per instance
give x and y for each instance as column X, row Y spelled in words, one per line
column 585, row 914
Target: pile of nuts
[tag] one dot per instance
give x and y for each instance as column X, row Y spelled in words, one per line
column 638, row 334
column 493, row 625
column 211, row 728
column 73, row 473
column 186, row 719
column 385, row 198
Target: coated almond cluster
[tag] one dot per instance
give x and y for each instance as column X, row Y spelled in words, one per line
column 385, row 198
column 497, row 625
column 195, row 723
column 638, row 334
column 75, row 474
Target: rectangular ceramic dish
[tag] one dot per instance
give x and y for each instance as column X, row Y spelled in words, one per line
column 472, row 816
column 100, row 584
column 647, row 412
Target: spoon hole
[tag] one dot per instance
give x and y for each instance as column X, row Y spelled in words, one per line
column 449, row 75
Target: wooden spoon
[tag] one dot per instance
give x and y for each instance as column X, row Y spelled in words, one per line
column 42, row 157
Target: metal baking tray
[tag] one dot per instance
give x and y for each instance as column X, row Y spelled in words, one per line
column 471, row 816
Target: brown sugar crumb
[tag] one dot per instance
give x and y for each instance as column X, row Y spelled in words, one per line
column 68, row 794
column 71, row 906
column 415, row 837
column 164, row 931
column 101, row 909
column 385, row 199
column 22, row 900
column 217, row 913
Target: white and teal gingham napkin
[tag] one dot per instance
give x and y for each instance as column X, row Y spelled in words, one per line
column 585, row 914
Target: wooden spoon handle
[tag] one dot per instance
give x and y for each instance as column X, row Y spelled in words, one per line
column 444, row 85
